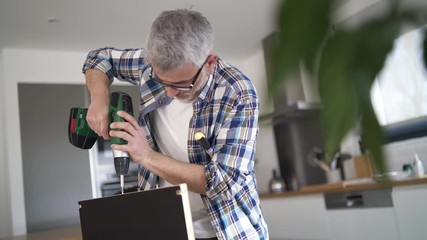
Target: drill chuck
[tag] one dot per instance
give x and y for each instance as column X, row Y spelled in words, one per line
column 121, row 164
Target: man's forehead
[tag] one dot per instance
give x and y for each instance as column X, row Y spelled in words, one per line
column 177, row 68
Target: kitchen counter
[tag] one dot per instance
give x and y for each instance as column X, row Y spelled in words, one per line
column 74, row 233
column 347, row 186
column 69, row 233
column 352, row 210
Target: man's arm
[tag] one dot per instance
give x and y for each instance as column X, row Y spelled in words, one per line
column 170, row 169
column 232, row 165
column 98, row 85
column 100, row 68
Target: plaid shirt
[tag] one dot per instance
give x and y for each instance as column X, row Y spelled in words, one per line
column 226, row 111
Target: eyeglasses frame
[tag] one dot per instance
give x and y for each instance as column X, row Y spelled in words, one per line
column 180, row 88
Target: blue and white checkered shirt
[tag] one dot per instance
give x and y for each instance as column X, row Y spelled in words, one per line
column 226, row 111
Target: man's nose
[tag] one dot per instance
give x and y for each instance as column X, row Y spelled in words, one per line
column 171, row 92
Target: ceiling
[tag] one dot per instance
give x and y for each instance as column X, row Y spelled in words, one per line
column 81, row 25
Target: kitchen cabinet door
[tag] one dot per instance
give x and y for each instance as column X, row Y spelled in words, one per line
column 410, row 204
column 299, row 217
column 366, row 224
column 367, row 215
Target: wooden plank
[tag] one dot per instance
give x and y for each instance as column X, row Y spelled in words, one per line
column 162, row 213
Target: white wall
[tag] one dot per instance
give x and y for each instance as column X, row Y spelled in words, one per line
column 65, row 67
column 5, row 223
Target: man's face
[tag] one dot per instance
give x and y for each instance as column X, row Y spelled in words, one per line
column 183, row 77
column 189, row 96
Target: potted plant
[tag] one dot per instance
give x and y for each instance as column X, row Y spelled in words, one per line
column 344, row 61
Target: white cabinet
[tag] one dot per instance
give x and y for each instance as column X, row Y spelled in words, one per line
column 366, row 215
column 299, row 217
column 399, row 213
column 410, row 205
column 366, row 224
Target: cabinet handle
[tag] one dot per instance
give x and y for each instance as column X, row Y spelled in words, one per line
column 354, row 200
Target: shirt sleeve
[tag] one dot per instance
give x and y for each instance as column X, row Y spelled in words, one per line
column 231, row 170
column 125, row 65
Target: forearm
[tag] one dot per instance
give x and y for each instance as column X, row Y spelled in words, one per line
column 177, row 172
column 98, row 85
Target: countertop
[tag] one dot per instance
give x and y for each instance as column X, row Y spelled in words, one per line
column 69, row 233
column 347, row 186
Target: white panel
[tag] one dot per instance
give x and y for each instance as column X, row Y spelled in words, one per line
column 410, row 204
column 5, row 218
column 366, row 224
column 302, row 217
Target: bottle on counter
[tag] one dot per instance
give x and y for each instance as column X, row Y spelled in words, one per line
column 417, row 166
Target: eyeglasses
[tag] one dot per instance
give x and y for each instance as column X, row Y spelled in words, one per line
column 180, row 88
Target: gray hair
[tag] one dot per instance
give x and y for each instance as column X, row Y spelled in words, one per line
column 179, row 37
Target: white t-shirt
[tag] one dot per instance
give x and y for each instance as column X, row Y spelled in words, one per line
column 171, row 124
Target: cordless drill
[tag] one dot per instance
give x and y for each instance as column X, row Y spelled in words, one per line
column 120, row 102
column 81, row 136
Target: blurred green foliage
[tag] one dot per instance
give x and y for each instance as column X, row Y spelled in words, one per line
column 344, row 61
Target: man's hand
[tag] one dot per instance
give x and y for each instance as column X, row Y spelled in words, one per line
column 170, row 169
column 97, row 118
column 137, row 145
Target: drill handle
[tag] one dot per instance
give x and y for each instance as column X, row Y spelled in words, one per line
column 119, row 101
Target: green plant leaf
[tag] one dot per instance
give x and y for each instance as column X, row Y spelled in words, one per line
column 339, row 104
column 373, row 42
column 348, row 66
column 302, row 27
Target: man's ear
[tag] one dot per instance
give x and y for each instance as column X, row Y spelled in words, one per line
column 212, row 60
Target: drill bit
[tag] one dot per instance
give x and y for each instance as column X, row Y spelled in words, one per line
column 122, row 183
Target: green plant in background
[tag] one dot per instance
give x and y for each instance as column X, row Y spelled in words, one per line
column 344, row 61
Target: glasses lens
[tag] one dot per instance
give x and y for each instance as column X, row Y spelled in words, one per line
column 180, row 88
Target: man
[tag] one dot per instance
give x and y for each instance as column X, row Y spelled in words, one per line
column 186, row 88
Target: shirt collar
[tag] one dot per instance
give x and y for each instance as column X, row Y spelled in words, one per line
column 209, row 85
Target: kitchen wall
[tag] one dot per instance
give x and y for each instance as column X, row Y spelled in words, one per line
column 402, row 152
column 65, row 68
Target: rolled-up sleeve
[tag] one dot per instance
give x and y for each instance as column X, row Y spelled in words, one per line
column 126, row 64
column 232, row 165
